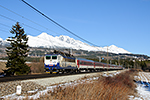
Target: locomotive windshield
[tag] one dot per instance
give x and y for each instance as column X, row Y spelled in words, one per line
column 54, row 57
column 48, row 57
column 51, row 57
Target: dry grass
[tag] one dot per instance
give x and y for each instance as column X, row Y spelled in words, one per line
column 106, row 88
column 2, row 66
column 118, row 87
column 36, row 67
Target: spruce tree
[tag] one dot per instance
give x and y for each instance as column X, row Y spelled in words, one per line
column 17, row 51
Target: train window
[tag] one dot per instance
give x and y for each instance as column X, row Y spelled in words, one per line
column 54, row 57
column 80, row 62
column 48, row 57
column 98, row 64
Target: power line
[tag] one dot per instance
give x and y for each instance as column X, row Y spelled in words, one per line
column 22, row 23
column 32, row 27
column 4, row 25
column 8, row 18
column 57, row 23
column 3, row 31
column 28, row 19
column 25, row 25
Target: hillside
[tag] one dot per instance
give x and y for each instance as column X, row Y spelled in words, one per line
column 47, row 41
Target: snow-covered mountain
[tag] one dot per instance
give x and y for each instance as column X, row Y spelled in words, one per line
column 48, row 41
column 3, row 42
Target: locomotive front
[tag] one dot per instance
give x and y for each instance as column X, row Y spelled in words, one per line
column 51, row 63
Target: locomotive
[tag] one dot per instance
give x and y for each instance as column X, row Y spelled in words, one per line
column 62, row 62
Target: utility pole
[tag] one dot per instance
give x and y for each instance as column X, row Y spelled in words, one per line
column 99, row 58
column 134, row 63
column 107, row 59
column 119, row 60
column 70, row 50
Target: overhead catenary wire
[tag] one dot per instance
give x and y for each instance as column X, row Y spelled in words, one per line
column 57, row 23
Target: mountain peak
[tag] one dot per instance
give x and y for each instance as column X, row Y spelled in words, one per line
column 1, row 39
column 62, row 41
column 43, row 35
column 113, row 46
column 48, row 41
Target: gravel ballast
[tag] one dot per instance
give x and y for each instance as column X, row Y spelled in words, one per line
column 9, row 88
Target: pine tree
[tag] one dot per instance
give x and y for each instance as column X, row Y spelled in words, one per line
column 17, row 51
column 143, row 65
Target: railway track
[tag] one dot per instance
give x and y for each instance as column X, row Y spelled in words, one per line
column 37, row 76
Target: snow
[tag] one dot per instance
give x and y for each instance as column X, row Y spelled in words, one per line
column 45, row 40
column 105, row 74
column 143, row 91
column 3, row 60
column 49, row 41
column 3, row 42
column 143, row 87
column 51, row 88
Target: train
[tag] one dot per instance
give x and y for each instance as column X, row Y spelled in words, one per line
column 62, row 62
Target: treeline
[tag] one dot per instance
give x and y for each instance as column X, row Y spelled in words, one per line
column 126, row 63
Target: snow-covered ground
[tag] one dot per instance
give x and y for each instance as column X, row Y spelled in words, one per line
column 143, row 86
column 52, row 83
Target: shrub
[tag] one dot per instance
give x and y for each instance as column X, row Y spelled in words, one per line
column 106, row 88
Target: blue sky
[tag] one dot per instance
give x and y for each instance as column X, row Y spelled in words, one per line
column 124, row 23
